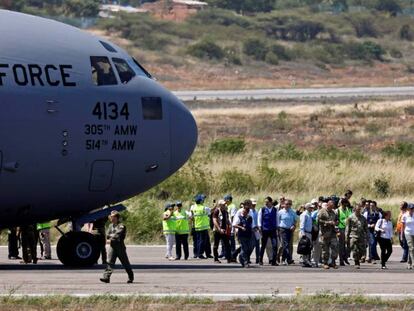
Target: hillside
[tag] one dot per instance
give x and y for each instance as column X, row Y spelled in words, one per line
column 219, row 48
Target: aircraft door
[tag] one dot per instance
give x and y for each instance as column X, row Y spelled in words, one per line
column 154, row 141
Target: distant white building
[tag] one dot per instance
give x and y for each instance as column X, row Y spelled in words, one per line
column 107, row 9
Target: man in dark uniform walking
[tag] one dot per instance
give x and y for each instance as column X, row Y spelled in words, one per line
column 116, row 236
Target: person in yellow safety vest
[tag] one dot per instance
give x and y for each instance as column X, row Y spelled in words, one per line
column 168, row 229
column 182, row 229
column 201, row 220
column 44, row 235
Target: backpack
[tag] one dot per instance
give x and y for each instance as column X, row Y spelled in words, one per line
column 304, row 246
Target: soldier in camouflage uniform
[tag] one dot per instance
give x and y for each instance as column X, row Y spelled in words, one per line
column 328, row 221
column 356, row 234
column 116, row 236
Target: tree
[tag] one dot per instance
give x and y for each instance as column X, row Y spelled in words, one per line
column 82, row 8
column 15, row 5
column 244, row 6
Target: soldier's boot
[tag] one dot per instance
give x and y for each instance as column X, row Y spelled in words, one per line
column 357, row 265
column 104, row 280
column 341, row 263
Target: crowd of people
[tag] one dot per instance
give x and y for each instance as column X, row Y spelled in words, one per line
column 329, row 228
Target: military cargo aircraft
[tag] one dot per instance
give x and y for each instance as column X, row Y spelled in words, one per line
column 82, row 126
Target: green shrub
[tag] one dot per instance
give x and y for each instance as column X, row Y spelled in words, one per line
column 228, row 146
column 367, row 50
column 396, row 53
column 382, row 186
column 400, row 149
column 288, row 152
column 256, row 48
column 409, row 110
column 363, row 24
column 214, row 16
column 330, row 152
column 271, row 58
column 236, row 182
column 206, row 49
column 281, row 52
column 393, row 7
column 231, row 54
column 406, row 33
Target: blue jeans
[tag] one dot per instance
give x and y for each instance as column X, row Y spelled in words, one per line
column 246, row 249
column 201, row 242
column 372, row 240
column 285, row 236
column 404, row 246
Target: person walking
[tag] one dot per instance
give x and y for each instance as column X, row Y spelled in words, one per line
column 256, row 231
column 244, row 225
column 316, row 246
column 221, row 228
column 98, row 229
column 384, row 231
column 13, row 244
column 168, row 229
column 115, row 237
column 400, row 232
column 328, row 221
column 201, row 225
column 372, row 215
column 344, row 211
column 287, row 225
column 305, row 230
column 268, row 223
column 408, row 228
column 232, row 210
column 182, row 230
column 29, row 246
column 356, row 234
column 44, row 235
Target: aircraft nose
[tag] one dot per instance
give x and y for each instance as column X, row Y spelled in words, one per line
column 184, row 134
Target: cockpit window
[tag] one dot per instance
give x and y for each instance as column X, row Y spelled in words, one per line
column 152, row 108
column 141, row 70
column 125, row 72
column 102, row 72
column 108, row 47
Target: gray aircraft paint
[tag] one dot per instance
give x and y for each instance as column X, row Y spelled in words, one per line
column 46, row 171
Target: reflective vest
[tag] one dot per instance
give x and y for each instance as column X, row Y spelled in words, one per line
column 343, row 216
column 201, row 219
column 168, row 226
column 181, row 222
column 45, row 225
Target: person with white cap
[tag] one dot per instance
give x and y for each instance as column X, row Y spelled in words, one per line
column 115, row 237
column 169, row 229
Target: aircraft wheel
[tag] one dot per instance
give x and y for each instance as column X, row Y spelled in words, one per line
column 78, row 249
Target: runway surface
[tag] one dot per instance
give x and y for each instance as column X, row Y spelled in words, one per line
column 158, row 276
column 309, row 93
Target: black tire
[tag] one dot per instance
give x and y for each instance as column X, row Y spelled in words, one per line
column 78, row 249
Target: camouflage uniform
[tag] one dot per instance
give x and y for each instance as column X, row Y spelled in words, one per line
column 116, row 235
column 356, row 233
column 327, row 236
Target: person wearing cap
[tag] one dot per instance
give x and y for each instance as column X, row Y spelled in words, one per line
column 182, row 230
column 169, row 229
column 201, row 221
column 221, row 226
column 267, row 220
column 344, row 211
column 356, row 234
column 116, row 236
column 256, row 232
column 243, row 223
column 305, row 229
column 232, row 210
column 408, row 228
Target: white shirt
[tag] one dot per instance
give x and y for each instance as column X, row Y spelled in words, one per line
column 386, row 226
column 408, row 221
column 236, row 219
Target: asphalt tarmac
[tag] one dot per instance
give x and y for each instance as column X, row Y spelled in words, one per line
column 157, row 276
column 296, row 93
